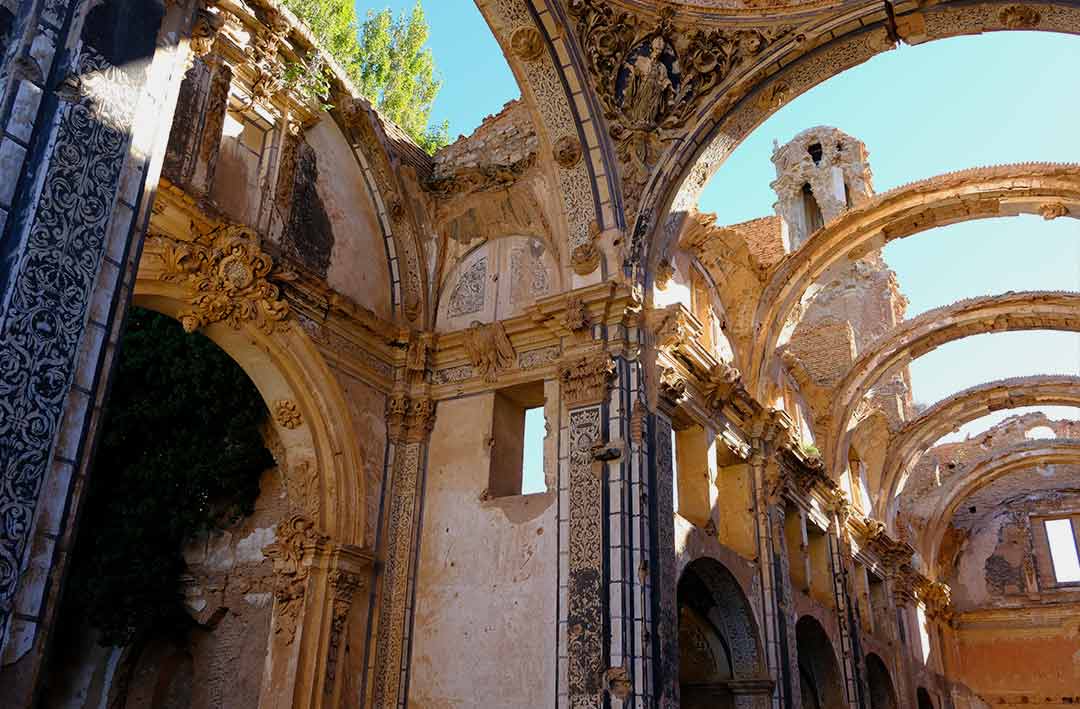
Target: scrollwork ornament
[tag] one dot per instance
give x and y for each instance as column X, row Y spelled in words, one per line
column 232, row 278
column 1019, row 17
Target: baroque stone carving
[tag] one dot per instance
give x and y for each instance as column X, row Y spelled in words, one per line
column 567, row 151
column 585, row 379
column 344, row 586
column 232, row 278
column 1019, row 17
column 1053, row 210
column 652, row 76
column 526, row 43
column 467, row 297
column 287, row 413
column 295, row 537
column 576, row 318
column 409, row 419
column 586, row 256
column 584, row 613
column 489, row 349
column 390, row 651
column 44, row 323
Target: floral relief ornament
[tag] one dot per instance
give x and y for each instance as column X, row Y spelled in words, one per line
column 287, row 413
column 233, row 280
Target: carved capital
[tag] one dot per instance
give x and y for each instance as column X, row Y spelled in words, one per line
column 585, row 379
column 409, row 419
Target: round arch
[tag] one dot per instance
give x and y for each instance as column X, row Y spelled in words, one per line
column 1006, row 190
column 920, row 433
column 882, row 691
column 710, row 598
column 1025, row 310
column 824, row 45
column 821, row 681
column 290, row 373
column 1021, row 456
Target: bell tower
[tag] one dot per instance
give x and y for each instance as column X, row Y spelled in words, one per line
column 819, row 173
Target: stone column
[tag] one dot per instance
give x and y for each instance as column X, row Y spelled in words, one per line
column 410, row 424
column 85, row 118
column 666, row 582
column 315, row 584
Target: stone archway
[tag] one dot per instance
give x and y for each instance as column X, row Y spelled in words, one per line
column 981, row 473
column 221, row 284
column 721, row 663
column 1050, row 190
column 920, row 433
column 807, row 54
column 821, row 680
column 1029, row 310
column 882, row 691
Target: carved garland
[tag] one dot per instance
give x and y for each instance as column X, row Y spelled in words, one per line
column 232, row 279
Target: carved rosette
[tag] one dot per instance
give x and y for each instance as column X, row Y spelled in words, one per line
column 232, row 279
column 296, row 539
column 287, row 414
column 526, row 43
column 585, row 379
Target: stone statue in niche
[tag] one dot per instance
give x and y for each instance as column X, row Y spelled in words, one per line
column 647, row 83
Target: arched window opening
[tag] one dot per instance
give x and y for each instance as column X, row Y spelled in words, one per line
column 814, row 218
column 819, row 673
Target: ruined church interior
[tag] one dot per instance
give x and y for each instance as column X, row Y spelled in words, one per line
column 519, row 424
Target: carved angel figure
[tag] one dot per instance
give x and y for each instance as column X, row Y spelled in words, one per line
column 489, row 348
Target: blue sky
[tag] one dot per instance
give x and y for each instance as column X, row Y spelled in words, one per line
column 923, row 110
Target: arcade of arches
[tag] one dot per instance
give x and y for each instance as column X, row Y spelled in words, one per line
column 735, row 502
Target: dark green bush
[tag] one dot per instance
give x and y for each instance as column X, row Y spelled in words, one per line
column 180, row 453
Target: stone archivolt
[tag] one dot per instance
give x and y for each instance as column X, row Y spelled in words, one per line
column 919, row 434
column 1008, row 312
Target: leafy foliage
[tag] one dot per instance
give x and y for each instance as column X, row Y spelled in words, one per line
column 385, row 57
column 180, row 454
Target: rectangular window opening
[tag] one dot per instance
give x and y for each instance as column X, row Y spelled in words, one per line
column 532, row 463
column 518, row 430
column 1063, row 554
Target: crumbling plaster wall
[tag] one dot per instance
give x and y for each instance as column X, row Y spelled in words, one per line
column 484, row 628
column 358, row 266
column 228, row 593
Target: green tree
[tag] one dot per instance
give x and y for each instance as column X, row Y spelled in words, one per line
column 180, row 454
column 386, row 59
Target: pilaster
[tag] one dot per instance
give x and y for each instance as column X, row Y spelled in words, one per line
column 89, row 132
